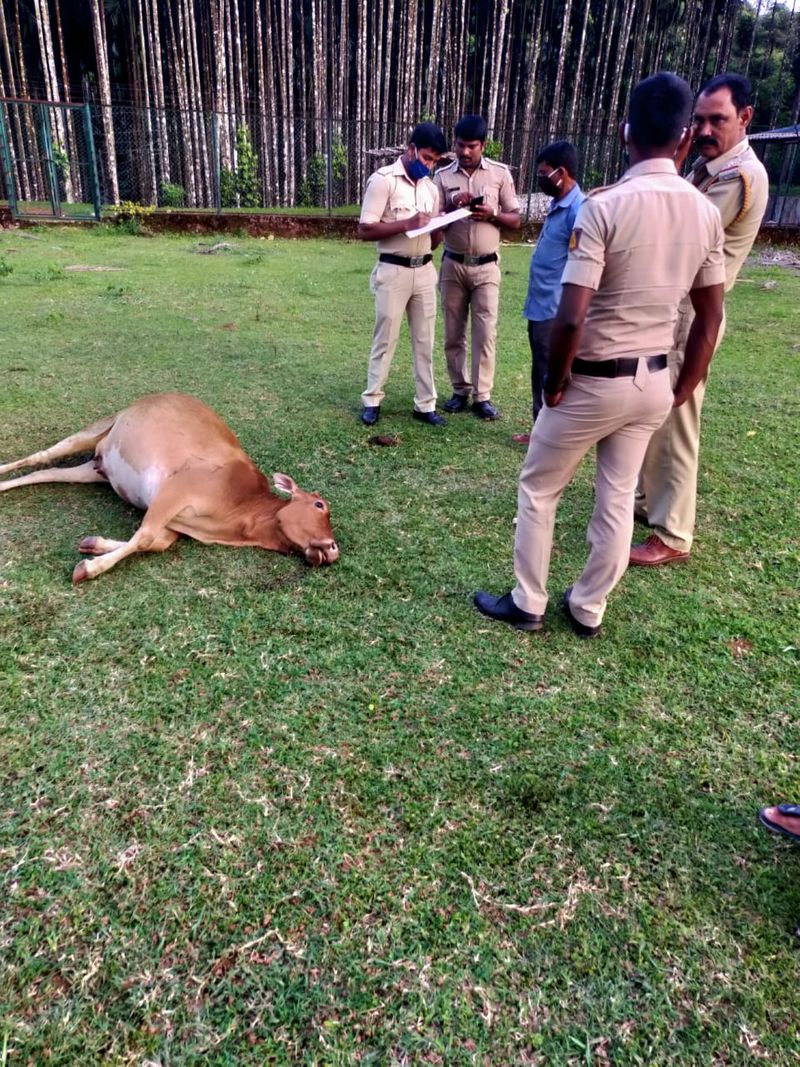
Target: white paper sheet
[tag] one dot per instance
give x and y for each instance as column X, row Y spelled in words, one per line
column 438, row 221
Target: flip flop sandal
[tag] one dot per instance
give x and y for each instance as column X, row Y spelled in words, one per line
column 784, row 809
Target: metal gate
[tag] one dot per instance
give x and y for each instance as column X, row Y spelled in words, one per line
column 48, row 160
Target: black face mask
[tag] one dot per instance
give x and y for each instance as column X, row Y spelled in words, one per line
column 547, row 185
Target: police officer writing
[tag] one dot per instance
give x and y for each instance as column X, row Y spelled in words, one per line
column 398, row 198
column 469, row 278
column 732, row 177
column 639, row 248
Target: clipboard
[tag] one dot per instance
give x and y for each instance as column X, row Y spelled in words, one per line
column 439, row 221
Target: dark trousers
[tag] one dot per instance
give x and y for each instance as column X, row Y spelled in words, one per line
column 539, row 340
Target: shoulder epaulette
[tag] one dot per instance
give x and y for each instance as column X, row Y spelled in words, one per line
column 746, row 196
column 600, row 189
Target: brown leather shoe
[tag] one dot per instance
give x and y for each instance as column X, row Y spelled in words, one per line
column 654, row 553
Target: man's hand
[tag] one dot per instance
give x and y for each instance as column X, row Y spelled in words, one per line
column 462, row 199
column 418, row 221
column 679, row 397
column 483, row 213
column 552, row 400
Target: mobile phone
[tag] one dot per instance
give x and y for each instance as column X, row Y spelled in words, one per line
column 475, row 201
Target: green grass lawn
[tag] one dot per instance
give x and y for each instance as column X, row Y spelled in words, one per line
column 252, row 812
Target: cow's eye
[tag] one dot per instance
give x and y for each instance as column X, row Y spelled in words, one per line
column 319, row 504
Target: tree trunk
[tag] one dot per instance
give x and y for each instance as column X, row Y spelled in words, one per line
column 20, row 163
column 104, row 85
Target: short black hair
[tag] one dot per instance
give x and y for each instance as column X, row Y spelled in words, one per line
column 428, row 135
column 740, row 88
column 560, row 154
column 472, row 128
column 660, row 109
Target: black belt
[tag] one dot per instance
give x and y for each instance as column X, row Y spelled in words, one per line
column 470, row 261
column 405, row 261
column 622, row 367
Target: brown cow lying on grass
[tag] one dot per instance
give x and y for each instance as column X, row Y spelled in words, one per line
column 174, row 458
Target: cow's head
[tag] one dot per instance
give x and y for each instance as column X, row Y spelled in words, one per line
column 305, row 523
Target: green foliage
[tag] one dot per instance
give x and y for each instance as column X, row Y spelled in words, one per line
column 130, row 217
column 240, row 186
column 773, row 33
column 227, row 187
column 248, row 186
column 311, row 191
column 171, row 195
column 493, row 149
column 338, row 159
column 5, row 268
column 61, row 160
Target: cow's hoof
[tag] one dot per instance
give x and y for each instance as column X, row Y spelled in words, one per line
column 81, row 573
column 88, row 545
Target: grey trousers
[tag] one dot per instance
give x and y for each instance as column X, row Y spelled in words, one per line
column 539, row 340
column 619, row 415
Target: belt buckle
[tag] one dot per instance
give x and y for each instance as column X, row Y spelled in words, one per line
column 416, row 261
column 472, row 261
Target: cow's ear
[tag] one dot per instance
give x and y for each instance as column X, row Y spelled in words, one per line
column 284, row 483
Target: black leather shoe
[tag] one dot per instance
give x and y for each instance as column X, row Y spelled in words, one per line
column 369, row 416
column 457, row 402
column 433, row 418
column 579, row 628
column 485, row 410
column 503, row 609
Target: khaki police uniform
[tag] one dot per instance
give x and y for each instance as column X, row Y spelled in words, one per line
column 469, row 277
column 406, row 287
column 738, row 186
column 641, row 244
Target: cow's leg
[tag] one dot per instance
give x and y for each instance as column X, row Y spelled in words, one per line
column 82, row 441
column 91, row 568
column 152, row 535
column 98, row 546
column 83, row 474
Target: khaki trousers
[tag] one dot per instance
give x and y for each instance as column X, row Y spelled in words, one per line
column 469, row 291
column 619, row 415
column 667, row 489
column 400, row 291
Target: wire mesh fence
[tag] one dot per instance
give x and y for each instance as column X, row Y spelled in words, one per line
column 58, row 158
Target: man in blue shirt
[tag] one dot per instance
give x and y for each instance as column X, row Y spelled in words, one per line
column 556, row 169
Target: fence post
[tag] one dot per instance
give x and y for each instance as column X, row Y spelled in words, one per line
column 93, row 179
column 47, row 144
column 216, row 161
column 329, row 166
column 6, row 151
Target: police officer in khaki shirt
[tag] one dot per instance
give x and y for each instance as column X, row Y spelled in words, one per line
column 638, row 248
column 398, row 198
column 735, row 181
column 469, row 277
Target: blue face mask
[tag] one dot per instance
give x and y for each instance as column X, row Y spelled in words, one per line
column 416, row 169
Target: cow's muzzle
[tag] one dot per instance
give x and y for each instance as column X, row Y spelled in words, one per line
column 320, row 553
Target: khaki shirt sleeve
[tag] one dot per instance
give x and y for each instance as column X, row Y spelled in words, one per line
column 728, row 198
column 440, row 194
column 508, row 196
column 376, row 197
column 712, row 271
column 587, row 253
